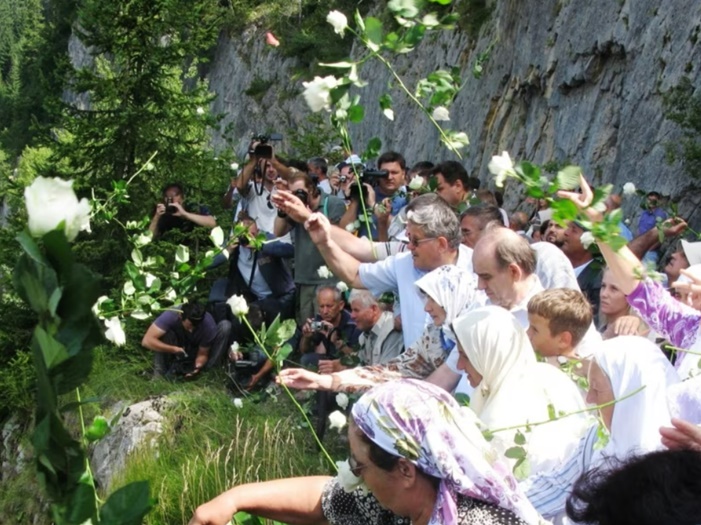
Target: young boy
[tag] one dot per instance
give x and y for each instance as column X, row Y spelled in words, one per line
column 558, row 320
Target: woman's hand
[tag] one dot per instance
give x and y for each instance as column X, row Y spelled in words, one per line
column 215, row 512
column 683, row 435
column 301, row 379
column 583, row 200
column 626, row 325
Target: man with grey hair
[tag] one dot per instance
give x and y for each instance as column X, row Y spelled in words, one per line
column 434, row 240
column 332, row 332
column 317, row 168
column 379, row 341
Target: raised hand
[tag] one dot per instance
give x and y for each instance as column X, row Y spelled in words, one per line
column 301, row 379
column 319, row 228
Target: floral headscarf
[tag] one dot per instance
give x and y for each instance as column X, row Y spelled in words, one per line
column 424, row 424
column 453, row 288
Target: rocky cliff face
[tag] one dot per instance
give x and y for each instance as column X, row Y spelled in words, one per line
column 565, row 81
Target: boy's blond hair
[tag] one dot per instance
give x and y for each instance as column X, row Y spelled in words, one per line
column 565, row 309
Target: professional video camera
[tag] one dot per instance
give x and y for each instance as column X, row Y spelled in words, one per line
column 367, row 176
column 263, row 150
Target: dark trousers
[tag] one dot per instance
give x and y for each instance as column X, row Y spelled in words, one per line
column 165, row 363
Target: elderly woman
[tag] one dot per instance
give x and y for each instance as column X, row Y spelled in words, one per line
column 633, row 373
column 448, row 291
column 512, row 388
column 418, row 453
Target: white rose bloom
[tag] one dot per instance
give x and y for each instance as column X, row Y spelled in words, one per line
column 51, row 202
column 238, row 305
column 238, row 403
column 416, row 182
column 115, row 332
column 342, row 400
column 587, row 239
column 234, row 166
column 337, row 420
column 629, row 188
column 441, row 113
column 324, row 272
column 143, row 239
column 341, row 286
column 317, row 93
column 200, row 111
column 501, row 166
column 351, row 227
column 338, row 20
column 349, row 481
column 234, row 347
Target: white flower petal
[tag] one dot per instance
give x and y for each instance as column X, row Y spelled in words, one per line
column 52, row 203
column 337, row 420
column 115, row 332
column 342, row 400
column 441, row 113
column 338, row 20
column 629, row 188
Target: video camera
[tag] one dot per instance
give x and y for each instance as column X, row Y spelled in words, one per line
column 263, row 150
column 367, row 176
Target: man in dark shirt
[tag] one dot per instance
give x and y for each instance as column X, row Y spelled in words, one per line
column 332, row 332
column 172, row 213
column 186, row 341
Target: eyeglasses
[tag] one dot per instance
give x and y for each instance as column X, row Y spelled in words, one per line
column 355, row 467
column 415, row 242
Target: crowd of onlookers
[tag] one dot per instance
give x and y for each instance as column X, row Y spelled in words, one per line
column 407, row 284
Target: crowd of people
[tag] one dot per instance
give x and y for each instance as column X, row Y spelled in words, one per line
column 409, row 286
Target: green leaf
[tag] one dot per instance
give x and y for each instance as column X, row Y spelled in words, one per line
column 137, row 257
column 462, row 399
column 53, row 352
column 385, row 101
column 283, row 353
column 359, row 21
column 356, row 114
column 244, row 518
column 515, row 453
column 519, row 438
column 99, row 429
column 373, row 30
column 31, row 248
column 568, row 178
column 551, row 412
column 522, row 468
column 373, row 148
column 128, row 505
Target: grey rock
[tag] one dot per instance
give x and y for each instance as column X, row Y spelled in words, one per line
column 139, row 426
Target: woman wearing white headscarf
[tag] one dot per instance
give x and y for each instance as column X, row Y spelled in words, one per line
column 512, row 388
column 626, row 366
column 449, row 292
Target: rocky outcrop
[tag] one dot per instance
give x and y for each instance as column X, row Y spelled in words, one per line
column 564, row 81
column 140, row 425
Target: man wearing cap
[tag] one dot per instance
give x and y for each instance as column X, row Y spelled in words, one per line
column 185, row 341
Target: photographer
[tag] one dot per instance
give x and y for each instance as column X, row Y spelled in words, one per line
column 331, row 333
column 386, row 198
column 185, row 341
column 257, row 272
column 172, row 213
column 257, row 181
column 307, row 258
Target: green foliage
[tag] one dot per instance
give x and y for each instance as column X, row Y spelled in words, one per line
column 314, row 137
column 684, row 108
column 473, row 14
column 258, row 88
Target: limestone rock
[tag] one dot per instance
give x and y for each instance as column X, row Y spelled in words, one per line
column 140, row 425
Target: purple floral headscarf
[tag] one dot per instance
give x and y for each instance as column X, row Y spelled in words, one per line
column 421, row 422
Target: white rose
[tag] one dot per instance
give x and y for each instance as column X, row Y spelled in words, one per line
column 341, row 287
column 234, row 166
column 98, row 303
column 337, row 420
column 338, row 20
column 587, row 239
column 171, row 295
column 238, row 305
column 342, row 400
column 238, row 403
column 416, row 182
column 115, row 332
column 317, row 93
column 629, row 188
column 51, row 203
column 143, row 239
column 351, row 227
column 200, row 111
column 441, row 113
column 349, row 481
column 324, row 272
column 501, row 166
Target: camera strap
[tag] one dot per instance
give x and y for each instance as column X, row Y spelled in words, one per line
column 325, row 206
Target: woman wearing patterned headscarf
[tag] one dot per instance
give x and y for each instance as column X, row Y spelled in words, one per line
column 418, row 453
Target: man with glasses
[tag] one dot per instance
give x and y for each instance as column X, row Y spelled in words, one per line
column 186, row 341
column 433, row 232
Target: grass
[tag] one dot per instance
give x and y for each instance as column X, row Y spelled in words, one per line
column 207, row 445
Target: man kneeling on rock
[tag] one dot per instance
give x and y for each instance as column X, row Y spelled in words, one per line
column 186, row 341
